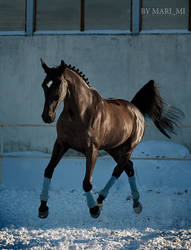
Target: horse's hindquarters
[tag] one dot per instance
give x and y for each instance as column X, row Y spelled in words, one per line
column 119, row 124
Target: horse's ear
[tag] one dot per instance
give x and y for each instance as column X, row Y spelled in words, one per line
column 62, row 66
column 45, row 67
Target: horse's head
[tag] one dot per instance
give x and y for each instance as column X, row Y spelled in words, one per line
column 55, row 89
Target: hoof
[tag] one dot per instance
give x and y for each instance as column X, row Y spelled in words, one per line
column 43, row 212
column 95, row 211
column 137, row 206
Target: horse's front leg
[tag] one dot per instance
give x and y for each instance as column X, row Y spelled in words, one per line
column 58, row 151
column 91, row 157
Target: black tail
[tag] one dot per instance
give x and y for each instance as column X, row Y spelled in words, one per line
column 149, row 102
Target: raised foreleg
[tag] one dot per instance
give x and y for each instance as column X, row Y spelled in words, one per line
column 58, row 151
column 91, row 158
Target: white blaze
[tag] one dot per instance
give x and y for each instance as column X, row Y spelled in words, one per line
column 49, row 84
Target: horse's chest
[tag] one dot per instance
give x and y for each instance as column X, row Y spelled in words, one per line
column 74, row 134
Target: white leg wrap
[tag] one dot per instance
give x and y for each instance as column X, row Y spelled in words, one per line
column 107, row 187
column 45, row 188
column 90, row 199
column 133, row 187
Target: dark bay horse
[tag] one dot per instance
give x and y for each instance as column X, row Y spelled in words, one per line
column 89, row 123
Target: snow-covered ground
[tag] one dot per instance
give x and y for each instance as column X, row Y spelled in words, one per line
column 165, row 189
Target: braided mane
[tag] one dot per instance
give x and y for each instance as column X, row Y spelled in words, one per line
column 78, row 72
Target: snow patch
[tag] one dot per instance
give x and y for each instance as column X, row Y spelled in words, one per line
column 161, row 149
column 165, row 191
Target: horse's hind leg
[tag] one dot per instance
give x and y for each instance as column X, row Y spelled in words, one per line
column 58, row 151
column 123, row 163
column 118, row 170
column 132, row 182
column 105, row 191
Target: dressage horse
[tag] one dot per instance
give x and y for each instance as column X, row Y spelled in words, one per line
column 89, row 123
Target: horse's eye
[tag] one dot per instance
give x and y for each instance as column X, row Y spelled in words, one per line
column 56, row 80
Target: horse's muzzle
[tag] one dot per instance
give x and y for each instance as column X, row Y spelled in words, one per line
column 48, row 118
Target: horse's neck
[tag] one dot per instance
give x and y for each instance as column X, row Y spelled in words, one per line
column 79, row 95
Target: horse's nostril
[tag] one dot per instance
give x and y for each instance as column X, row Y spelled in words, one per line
column 46, row 119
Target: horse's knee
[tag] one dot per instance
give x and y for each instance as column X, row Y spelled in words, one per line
column 129, row 168
column 48, row 172
column 87, row 186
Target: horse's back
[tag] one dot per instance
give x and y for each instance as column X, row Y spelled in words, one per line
column 117, row 101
